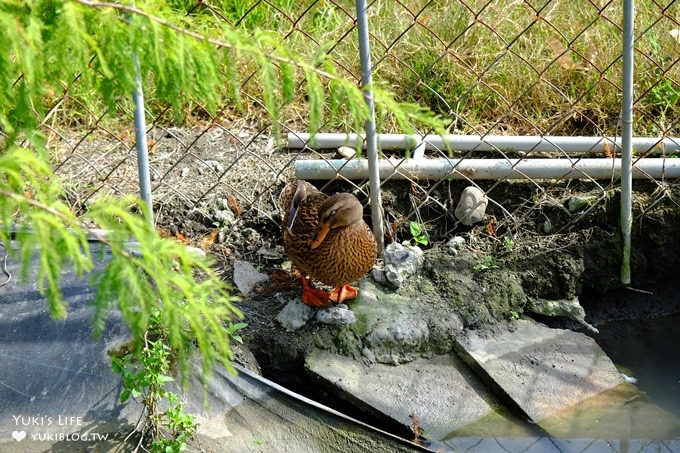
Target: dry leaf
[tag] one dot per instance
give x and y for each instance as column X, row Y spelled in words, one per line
column 234, row 205
column 206, row 241
column 162, row 232
column 608, row 150
column 563, row 58
column 491, row 227
column 675, row 34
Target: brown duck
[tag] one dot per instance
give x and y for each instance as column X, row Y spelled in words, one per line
column 326, row 238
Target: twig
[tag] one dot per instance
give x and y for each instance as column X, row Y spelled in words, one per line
column 4, row 266
column 641, row 291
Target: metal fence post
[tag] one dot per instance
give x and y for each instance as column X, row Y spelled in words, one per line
column 141, row 143
column 371, row 137
column 626, row 139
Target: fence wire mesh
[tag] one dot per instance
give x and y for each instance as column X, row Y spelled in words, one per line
column 490, row 67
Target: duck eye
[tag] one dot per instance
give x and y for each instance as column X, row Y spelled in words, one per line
column 327, row 215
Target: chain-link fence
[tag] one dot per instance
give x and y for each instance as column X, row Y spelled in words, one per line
column 530, row 89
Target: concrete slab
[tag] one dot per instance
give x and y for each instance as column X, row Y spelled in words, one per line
column 541, row 370
column 441, row 392
column 247, row 413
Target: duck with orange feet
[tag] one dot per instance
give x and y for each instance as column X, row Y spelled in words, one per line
column 326, row 239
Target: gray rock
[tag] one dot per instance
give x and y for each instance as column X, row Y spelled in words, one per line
column 401, row 262
column 246, row 276
column 578, row 203
column 337, row 315
column 441, row 393
column 346, row 152
column 398, row 329
column 379, row 275
column 390, row 336
column 223, row 216
column 472, row 205
column 185, row 172
column 543, row 371
column 570, row 308
column 195, row 251
column 294, row 315
column 455, row 244
column 244, row 412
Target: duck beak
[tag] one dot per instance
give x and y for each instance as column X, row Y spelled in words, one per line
column 320, row 235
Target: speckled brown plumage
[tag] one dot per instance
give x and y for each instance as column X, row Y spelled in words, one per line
column 346, row 253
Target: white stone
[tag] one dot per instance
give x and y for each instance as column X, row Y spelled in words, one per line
column 401, row 262
column 346, row 152
column 246, row 276
column 471, row 206
column 455, row 244
column 337, row 315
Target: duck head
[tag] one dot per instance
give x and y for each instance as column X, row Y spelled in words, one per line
column 339, row 211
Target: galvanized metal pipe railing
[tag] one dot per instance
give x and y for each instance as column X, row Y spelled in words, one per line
column 626, row 140
column 141, row 143
column 492, row 169
column 371, row 138
column 506, row 143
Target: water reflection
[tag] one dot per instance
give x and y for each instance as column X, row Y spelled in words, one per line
column 640, row 418
column 648, row 349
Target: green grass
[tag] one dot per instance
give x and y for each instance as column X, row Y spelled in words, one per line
column 507, row 72
column 499, row 67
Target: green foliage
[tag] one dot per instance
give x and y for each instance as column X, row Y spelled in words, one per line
column 508, row 243
column 663, row 96
column 233, row 328
column 181, row 58
column 487, row 264
column 418, row 235
column 146, row 379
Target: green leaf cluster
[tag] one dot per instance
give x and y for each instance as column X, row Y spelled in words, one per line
column 146, row 380
column 419, row 235
column 487, row 264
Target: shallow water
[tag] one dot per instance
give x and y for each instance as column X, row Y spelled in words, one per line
column 650, row 350
column 644, row 418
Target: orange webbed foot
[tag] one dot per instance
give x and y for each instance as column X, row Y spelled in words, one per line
column 343, row 293
column 314, row 297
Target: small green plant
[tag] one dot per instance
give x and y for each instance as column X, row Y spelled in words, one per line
column 234, row 327
column 145, row 375
column 419, row 235
column 488, row 263
column 508, row 243
column 514, row 315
